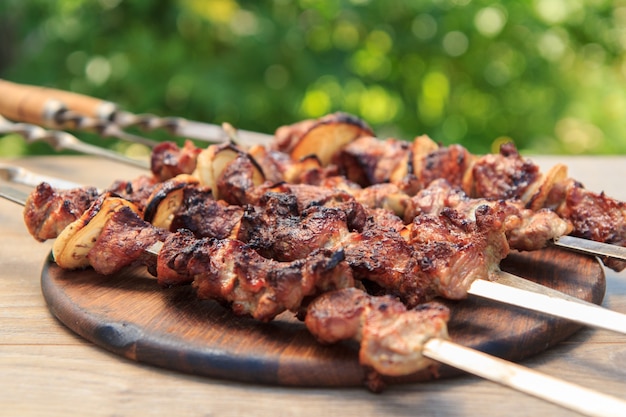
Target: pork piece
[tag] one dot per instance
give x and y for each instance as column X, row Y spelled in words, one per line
column 236, row 184
column 594, row 216
column 123, row 242
column 385, row 262
column 506, row 175
column 204, row 216
column 525, row 229
column 449, row 163
column 168, row 160
column 391, row 336
column 386, row 219
column 377, row 253
column 536, row 229
column 368, row 160
column 136, row 191
column 307, row 196
column 454, row 250
column 48, row 211
column 229, row 271
column 278, row 230
column 384, row 196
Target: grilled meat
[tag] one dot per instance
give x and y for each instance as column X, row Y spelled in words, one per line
column 168, row 160
column 278, row 230
column 454, row 251
column 506, row 175
column 525, row 229
column 594, row 216
column 387, row 263
column 229, row 271
column 368, row 160
column 206, row 217
column 137, row 190
column 47, row 211
column 123, row 241
column 391, row 336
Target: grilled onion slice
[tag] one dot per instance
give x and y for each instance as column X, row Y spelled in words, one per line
column 214, row 160
column 328, row 135
column 165, row 201
column 70, row 249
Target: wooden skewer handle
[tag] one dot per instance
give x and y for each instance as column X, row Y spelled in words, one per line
column 40, row 105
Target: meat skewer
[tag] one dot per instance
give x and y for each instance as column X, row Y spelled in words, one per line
column 588, row 315
column 591, row 316
column 613, row 256
column 393, row 340
column 412, row 166
column 278, row 167
column 331, row 318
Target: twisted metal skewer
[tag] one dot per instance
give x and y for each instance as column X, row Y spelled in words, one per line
column 107, row 129
column 181, row 127
column 115, row 125
column 63, row 140
column 148, row 121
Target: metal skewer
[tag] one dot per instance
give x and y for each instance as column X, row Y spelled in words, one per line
column 587, row 246
column 57, row 108
column 554, row 390
column 565, row 394
column 64, row 140
column 68, row 119
column 19, row 175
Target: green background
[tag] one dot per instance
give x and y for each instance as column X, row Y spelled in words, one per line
column 549, row 75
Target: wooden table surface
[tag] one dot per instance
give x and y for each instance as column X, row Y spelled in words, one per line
column 46, row 370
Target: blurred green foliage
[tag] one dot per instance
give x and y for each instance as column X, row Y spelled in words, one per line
column 548, row 74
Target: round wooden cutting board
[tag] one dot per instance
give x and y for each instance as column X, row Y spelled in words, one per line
column 130, row 315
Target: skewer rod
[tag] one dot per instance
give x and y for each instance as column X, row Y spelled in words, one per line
column 590, row 246
column 551, row 303
column 11, row 194
column 508, row 289
column 22, row 176
column 554, row 390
